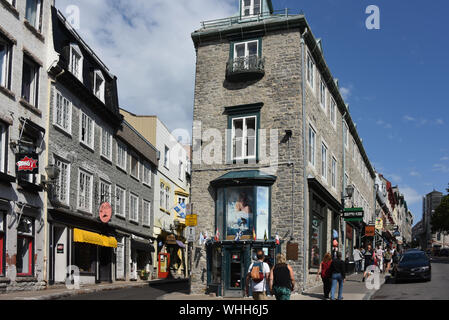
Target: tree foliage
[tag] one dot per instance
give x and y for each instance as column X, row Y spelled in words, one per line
column 440, row 219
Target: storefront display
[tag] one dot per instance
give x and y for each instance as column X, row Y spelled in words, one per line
column 316, row 242
column 240, row 210
column 25, row 239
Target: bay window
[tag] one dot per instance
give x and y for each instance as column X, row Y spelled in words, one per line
column 25, row 247
column 30, row 81
column 33, row 13
column 245, row 55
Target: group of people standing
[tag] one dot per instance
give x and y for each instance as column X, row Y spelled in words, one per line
column 380, row 258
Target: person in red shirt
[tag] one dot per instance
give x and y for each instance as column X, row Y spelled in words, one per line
column 324, row 271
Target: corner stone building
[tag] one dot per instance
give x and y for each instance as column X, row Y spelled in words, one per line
column 268, row 160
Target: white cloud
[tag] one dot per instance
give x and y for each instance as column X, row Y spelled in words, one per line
column 444, row 159
column 346, row 92
column 148, row 46
column 414, row 173
column 408, row 118
column 439, row 121
column 441, row 168
column 410, row 195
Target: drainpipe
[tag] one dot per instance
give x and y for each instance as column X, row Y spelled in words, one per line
column 305, row 194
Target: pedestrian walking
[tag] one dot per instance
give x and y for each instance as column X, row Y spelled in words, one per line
column 357, row 260
column 369, row 260
column 338, row 271
column 387, row 259
column 379, row 257
column 282, row 279
column 258, row 276
column 324, row 272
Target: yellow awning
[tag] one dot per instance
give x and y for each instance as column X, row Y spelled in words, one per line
column 94, row 238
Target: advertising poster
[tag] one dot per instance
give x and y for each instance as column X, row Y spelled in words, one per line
column 240, row 208
column 263, row 210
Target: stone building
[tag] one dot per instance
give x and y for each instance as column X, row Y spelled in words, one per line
column 274, row 150
column 24, row 28
column 100, row 203
column 430, row 202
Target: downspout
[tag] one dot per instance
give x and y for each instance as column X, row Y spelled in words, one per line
column 305, row 194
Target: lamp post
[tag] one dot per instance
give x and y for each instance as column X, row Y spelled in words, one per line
column 349, row 193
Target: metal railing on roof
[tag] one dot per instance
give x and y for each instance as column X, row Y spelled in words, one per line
column 225, row 22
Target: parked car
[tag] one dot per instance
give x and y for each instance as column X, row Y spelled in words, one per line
column 444, row 252
column 413, row 265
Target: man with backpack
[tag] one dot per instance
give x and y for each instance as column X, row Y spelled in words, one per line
column 258, row 275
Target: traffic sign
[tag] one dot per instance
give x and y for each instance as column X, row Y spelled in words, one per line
column 190, row 234
column 192, row 220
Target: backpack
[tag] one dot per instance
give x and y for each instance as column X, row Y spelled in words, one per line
column 388, row 255
column 257, row 272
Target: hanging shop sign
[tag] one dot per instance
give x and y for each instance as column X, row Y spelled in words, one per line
column 27, row 163
column 370, row 231
column 292, row 251
column 379, row 224
column 60, row 248
column 353, row 214
column 105, row 212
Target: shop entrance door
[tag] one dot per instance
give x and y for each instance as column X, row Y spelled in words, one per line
column 234, row 272
column 105, row 256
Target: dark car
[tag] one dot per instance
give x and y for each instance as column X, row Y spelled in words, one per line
column 413, row 265
column 444, row 252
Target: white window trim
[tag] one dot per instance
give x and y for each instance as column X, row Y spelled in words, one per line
column 131, row 195
column 146, row 166
column 92, row 132
column 244, row 139
column 347, row 134
column 69, row 111
column 334, row 186
column 326, row 175
column 251, row 8
column 138, row 167
column 323, row 104
column 37, row 23
column 149, row 213
column 6, row 71
column 246, row 43
column 334, row 120
column 311, row 82
column 91, row 191
column 125, row 151
column 102, row 88
column 122, row 205
column 67, row 196
column 167, row 157
column 104, row 130
column 313, row 164
column 109, row 185
column 3, row 147
column 79, row 76
column 34, row 87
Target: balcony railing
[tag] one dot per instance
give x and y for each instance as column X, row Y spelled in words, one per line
column 217, row 23
column 245, row 68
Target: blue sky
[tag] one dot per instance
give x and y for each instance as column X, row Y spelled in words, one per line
column 394, row 79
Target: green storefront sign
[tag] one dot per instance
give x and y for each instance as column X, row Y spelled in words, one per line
column 353, row 214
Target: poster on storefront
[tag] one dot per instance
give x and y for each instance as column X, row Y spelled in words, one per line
column 240, row 206
column 262, row 213
column 316, row 242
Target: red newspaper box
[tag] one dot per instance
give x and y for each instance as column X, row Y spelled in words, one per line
column 163, row 265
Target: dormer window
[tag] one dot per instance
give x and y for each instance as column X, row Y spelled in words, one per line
column 76, row 62
column 99, row 85
column 251, row 8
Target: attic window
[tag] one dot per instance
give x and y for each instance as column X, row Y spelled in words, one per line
column 76, row 62
column 99, row 85
column 251, row 7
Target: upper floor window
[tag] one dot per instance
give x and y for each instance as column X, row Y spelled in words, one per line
column 133, row 207
column 120, row 201
column 30, row 81
column 105, row 192
column 167, row 198
column 134, row 167
column 244, row 138
column 76, row 62
column 346, row 135
column 334, row 172
column 63, row 181
column 5, row 63
column 85, row 183
column 63, row 113
column 28, row 145
column 33, row 13
column 87, row 130
column 310, row 70
column 166, row 157
column 251, row 7
column 322, row 94
column 180, row 170
column 245, row 54
column 121, row 155
column 162, row 196
column 147, row 174
column 3, row 147
column 146, row 213
column 312, row 144
column 333, row 112
column 324, row 161
column 99, row 85
column 106, row 144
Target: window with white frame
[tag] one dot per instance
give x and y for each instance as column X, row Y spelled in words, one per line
column 3, row 147
column 146, row 213
column 86, row 130
column 334, row 172
column 30, row 81
column 63, row 182
column 180, row 170
column 250, row 7
column 5, row 63
column 85, row 184
column 33, row 13
column 310, row 71
column 121, row 155
column 106, row 144
column 167, row 157
column 133, row 207
column 354, row 148
column 333, row 112
column 147, row 174
column 76, row 62
column 244, row 138
column 162, row 196
column 322, row 94
column 99, row 85
column 62, row 117
column 324, row 161
column 134, row 166
column 346, row 135
column 312, row 145
column 120, row 202
column 167, row 198
column 105, row 192
column 245, row 54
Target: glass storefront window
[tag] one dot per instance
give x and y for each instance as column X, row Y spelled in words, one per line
column 316, row 243
column 85, row 257
column 263, row 211
column 239, row 211
column 24, row 262
column 220, row 209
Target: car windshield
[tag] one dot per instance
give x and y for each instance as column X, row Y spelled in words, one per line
column 418, row 256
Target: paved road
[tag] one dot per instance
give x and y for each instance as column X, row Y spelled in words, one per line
column 437, row 289
column 152, row 292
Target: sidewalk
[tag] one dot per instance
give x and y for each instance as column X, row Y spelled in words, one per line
column 60, row 291
column 353, row 289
